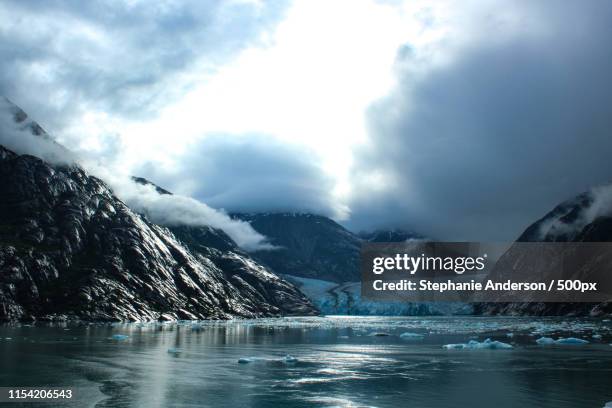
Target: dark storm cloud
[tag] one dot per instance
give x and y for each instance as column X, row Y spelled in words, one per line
column 479, row 148
column 126, row 58
column 249, row 174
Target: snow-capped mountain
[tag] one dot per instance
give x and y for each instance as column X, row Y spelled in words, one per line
column 69, row 248
column 584, row 218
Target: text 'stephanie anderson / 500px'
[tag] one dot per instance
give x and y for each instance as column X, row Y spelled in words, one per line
column 487, row 272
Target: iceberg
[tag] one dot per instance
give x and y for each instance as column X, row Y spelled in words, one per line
column 174, row 351
column 290, row 359
column 571, row 340
column 474, row 344
column 120, row 337
column 543, row 341
column 597, row 336
column 244, row 360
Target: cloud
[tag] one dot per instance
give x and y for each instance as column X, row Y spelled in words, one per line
column 249, row 173
column 124, row 58
column 173, row 210
column 490, row 129
column 22, row 135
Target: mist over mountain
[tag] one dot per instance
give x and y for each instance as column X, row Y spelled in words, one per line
column 72, row 249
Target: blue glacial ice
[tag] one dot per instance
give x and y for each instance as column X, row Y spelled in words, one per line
column 545, row 341
column 120, row 337
column 571, row 340
column 474, row 344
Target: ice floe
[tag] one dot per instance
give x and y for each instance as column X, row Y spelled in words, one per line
column 474, row 344
column 545, row 341
column 571, row 340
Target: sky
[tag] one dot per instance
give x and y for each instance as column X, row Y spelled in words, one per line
column 461, row 120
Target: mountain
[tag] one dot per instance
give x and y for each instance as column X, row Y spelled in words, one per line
column 309, row 246
column 69, row 248
column 584, row 218
column 322, row 259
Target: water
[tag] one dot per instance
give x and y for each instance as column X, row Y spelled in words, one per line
column 340, row 362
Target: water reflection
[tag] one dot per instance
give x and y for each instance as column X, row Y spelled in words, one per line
column 339, row 363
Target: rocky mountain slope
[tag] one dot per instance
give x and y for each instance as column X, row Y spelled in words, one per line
column 310, row 246
column 69, row 248
column 585, row 218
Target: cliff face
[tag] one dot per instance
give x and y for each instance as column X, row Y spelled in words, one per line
column 584, row 218
column 69, row 248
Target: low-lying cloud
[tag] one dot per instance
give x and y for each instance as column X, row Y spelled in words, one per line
column 175, row 210
column 249, row 173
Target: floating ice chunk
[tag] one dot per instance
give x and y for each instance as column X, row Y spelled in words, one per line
column 608, row 404
column 571, row 340
column 411, row 336
column 510, row 335
column 543, row 341
column 174, row 351
column 596, row 336
column 196, row 327
column 290, row 359
column 474, row 344
column 244, row 360
column 454, row 346
column 120, row 337
column 380, row 334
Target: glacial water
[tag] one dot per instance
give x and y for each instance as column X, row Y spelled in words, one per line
column 334, row 361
